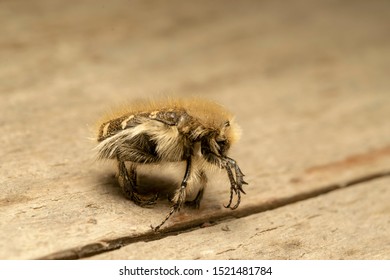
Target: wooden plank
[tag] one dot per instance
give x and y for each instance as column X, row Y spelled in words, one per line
column 353, row 223
column 314, row 114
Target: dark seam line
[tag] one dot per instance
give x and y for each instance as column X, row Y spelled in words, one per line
column 110, row 245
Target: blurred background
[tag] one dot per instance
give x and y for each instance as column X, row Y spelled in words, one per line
column 277, row 65
column 307, row 80
column 64, row 60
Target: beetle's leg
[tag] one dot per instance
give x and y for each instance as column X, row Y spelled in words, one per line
column 127, row 185
column 180, row 196
column 233, row 187
column 128, row 182
column 239, row 175
column 236, row 180
column 235, row 183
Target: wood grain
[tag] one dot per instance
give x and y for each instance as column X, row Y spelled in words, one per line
column 352, row 223
column 308, row 84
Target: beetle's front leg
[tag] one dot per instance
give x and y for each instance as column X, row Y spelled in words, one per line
column 236, row 180
column 239, row 175
column 235, row 183
column 233, row 187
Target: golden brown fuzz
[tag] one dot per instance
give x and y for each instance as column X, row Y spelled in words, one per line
column 197, row 131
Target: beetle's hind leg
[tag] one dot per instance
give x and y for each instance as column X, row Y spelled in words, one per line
column 127, row 179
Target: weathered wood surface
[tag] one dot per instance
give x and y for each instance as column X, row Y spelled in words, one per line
column 351, row 223
column 308, row 83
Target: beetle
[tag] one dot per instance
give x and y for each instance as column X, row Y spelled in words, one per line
column 196, row 131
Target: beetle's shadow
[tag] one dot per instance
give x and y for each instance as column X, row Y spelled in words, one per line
column 148, row 185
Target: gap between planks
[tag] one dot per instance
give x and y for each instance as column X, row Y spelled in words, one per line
column 109, row 245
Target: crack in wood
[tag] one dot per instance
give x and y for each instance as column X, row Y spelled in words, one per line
column 265, row 230
column 230, row 250
column 109, row 245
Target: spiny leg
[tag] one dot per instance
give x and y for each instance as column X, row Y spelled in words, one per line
column 128, row 182
column 236, row 180
column 239, row 175
column 236, row 183
column 233, row 188
column 124, row 180
column 179, row 197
